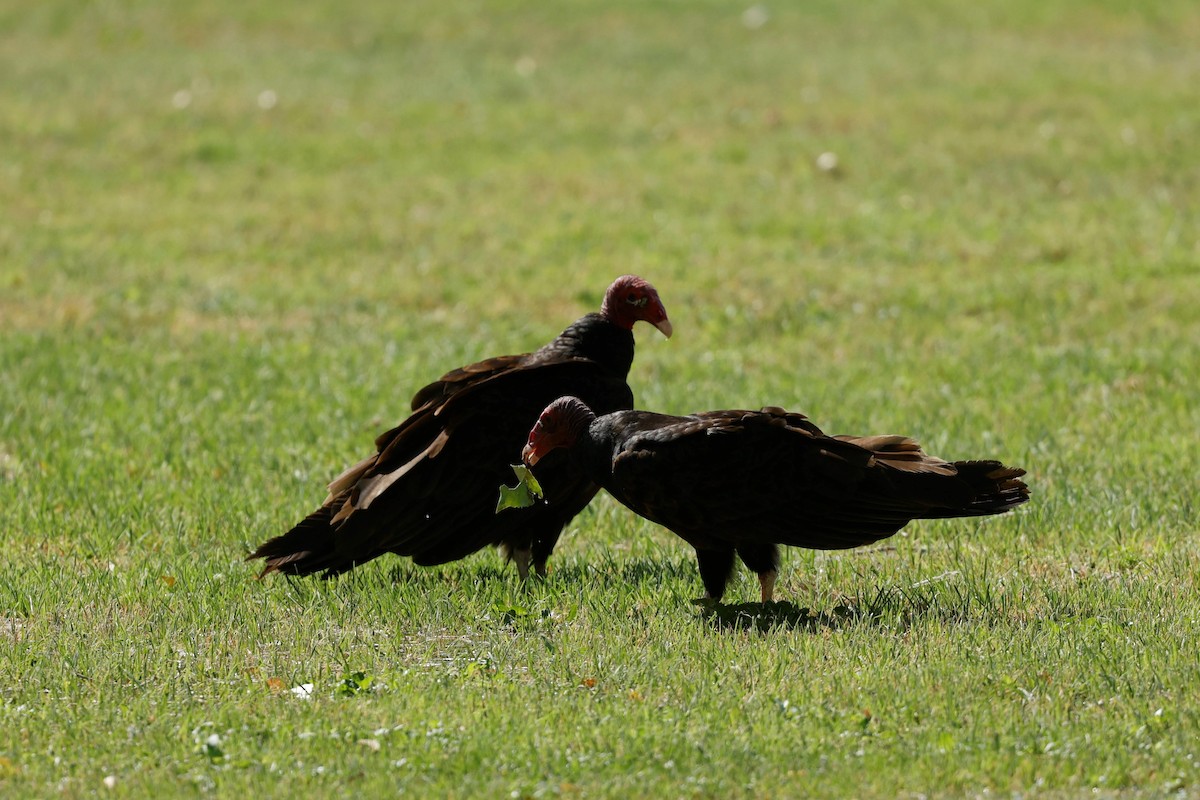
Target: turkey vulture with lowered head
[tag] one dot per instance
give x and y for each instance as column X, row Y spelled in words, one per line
column 746, row 482
column 430, row 489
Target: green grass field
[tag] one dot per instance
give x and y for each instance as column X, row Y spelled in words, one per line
column 236, row 237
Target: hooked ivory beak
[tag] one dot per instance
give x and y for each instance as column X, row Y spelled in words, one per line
column 528, row 456
column 665, row 326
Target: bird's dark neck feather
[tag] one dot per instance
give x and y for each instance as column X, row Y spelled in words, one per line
column 592, row 453
column 595, row 337
column 606, row 436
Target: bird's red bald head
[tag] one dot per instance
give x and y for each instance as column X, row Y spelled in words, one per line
column 631, row 299
column 560, row 425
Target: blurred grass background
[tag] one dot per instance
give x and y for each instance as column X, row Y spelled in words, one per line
column 235, row 238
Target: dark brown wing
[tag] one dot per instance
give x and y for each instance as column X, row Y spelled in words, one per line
column 458, row 379
column 773, row 477
column 431, row 397
column 430, row 492
column 417, row 434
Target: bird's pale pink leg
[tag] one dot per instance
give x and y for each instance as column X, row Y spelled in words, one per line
column 522, row 557
column 767, row 581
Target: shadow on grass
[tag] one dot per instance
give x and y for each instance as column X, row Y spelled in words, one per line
column 952, row 598
column 757, row 616
column 635, row 572
column 603, row 572
column 406, row 573
column 890, row 607
column 785, row 615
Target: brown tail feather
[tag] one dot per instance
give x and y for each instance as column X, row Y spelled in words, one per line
column 307, row 548
column 994, row 489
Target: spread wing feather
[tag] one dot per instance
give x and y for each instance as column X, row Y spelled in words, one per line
column 430, row 490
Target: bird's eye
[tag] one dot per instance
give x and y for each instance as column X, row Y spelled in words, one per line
column 634, row 300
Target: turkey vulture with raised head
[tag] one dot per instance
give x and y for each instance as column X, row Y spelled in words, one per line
column 430, row 489
column 746, row 482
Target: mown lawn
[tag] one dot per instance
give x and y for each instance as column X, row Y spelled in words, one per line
column 236, row 237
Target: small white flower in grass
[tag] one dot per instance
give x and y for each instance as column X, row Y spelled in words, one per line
column 181, row 99
column 110, row 781
column 827, row 162
column 211, row 749
column 755, row 17
column 370, row 744
column 304, row 691
column 525, row 66
column 267, row 99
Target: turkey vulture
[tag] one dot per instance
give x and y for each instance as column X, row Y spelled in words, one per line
column 430, row 489
column 746, row 482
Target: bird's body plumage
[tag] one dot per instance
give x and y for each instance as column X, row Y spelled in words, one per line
column 745, row 482
column 429, row 491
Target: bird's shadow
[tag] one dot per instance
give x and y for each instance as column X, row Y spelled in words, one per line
column 764, row 617
column 892, row 607
column 879, row 605
column 612, row 573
